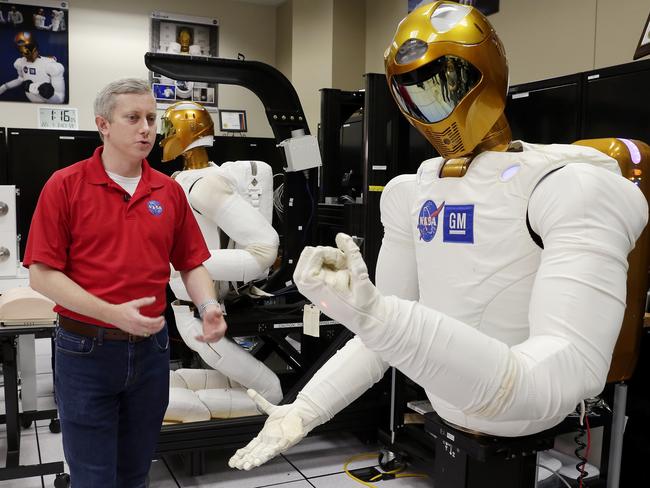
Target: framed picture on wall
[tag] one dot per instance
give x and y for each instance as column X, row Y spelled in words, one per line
column 183, row 35
column 34, row 52
column 643, row 49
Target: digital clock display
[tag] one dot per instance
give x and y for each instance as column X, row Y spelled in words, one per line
column 58, row 118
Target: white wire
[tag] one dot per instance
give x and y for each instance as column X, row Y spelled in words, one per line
column 555, row 473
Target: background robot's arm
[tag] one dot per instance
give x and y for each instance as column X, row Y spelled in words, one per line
column 13, row 83
column 216, row 198
column 589, row 220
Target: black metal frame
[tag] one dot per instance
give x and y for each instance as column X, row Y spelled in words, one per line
column 13, row 418
column 284, row 113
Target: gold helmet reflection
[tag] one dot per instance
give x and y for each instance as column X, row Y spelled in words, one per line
column 182, row 124
column 27, row 45
column 448, row 73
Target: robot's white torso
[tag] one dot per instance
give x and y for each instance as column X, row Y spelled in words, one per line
column 41, row 70
column 475, row 258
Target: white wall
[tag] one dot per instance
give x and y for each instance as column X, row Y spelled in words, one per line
column 108, row 41
column 543, row 39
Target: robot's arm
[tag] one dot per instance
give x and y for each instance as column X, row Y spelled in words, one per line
column 13, row 83
column 589, row 220
column 216, row 198
column 345, row 376
column 355, row 368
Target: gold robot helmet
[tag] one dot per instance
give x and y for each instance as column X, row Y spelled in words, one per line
column 184, row 123
column 27, row 45
column 447, row 70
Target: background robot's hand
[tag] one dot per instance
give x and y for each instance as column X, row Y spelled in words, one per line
column 286, row 425
column 337, row 282
column 46, row 90
column 26, row 84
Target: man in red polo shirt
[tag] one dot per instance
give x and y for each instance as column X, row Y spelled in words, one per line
column 102, row 237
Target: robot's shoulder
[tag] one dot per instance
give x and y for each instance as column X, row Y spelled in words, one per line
column 20, row 63
column 51, row 66
column 400, row 190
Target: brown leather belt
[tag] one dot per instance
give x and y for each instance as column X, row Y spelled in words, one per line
column 90, row 330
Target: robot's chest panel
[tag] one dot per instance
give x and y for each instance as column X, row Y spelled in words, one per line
column 471, row 242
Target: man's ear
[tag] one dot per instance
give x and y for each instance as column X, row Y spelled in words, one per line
column 102, row 125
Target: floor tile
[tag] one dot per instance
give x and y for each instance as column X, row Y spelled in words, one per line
column 160, row 476
column 43, row 346
column 217, row 472
column 293, row 484
column 43, row 363
column 327, row 453
column 342, row 480
column 44, row 385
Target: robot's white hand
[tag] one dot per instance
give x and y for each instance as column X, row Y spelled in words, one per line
column 337, row 282
column 286, row 425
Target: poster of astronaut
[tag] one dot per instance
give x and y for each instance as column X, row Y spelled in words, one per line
column 34, row 52
column 183, row 35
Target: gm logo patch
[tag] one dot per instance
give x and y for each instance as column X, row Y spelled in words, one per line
column 458, row 224
column 428, row 220
column 155, row 208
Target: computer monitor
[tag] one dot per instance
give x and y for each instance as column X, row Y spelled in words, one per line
column 232, row 120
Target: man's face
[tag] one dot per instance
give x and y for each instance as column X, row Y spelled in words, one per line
column 132, row 128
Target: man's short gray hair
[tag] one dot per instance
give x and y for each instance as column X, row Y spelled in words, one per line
column 106, row 98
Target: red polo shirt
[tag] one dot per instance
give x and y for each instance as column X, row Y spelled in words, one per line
column 114, row 246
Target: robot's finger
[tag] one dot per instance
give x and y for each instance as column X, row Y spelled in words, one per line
column 263, row 405
column 332, row 257
column 346, row 244
column 339, row 280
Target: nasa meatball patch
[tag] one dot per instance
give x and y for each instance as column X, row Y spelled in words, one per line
column 428, row 220
column 458, row 224
column 155, row 208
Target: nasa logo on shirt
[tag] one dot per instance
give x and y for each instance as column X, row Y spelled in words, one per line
column 458, row 224
column 155, row 208
column 428, row 220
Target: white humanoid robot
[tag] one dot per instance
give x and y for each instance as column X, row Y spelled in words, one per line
column 506, row 337
column 39, row 20
column 14, row 16
column 235, row 198
column 58, row 20
column 39, row 76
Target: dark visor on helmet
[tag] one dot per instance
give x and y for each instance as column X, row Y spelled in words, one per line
column 431, row 92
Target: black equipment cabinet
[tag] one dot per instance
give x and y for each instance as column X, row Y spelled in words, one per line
column 547, row 111
column 616, row 102
column 32, row 156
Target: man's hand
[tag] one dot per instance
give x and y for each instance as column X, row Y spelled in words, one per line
column 127, row 317
column 285, row 426
column 214, row 325
column 337, row 282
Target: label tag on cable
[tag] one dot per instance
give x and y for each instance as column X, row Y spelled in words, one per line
column 311, row 321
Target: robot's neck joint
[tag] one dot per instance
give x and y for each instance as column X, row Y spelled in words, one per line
column 196, row 158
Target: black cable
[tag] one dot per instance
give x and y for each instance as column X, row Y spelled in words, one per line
column 581, row 446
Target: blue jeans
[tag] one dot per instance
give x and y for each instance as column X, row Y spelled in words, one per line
column 111, row 397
